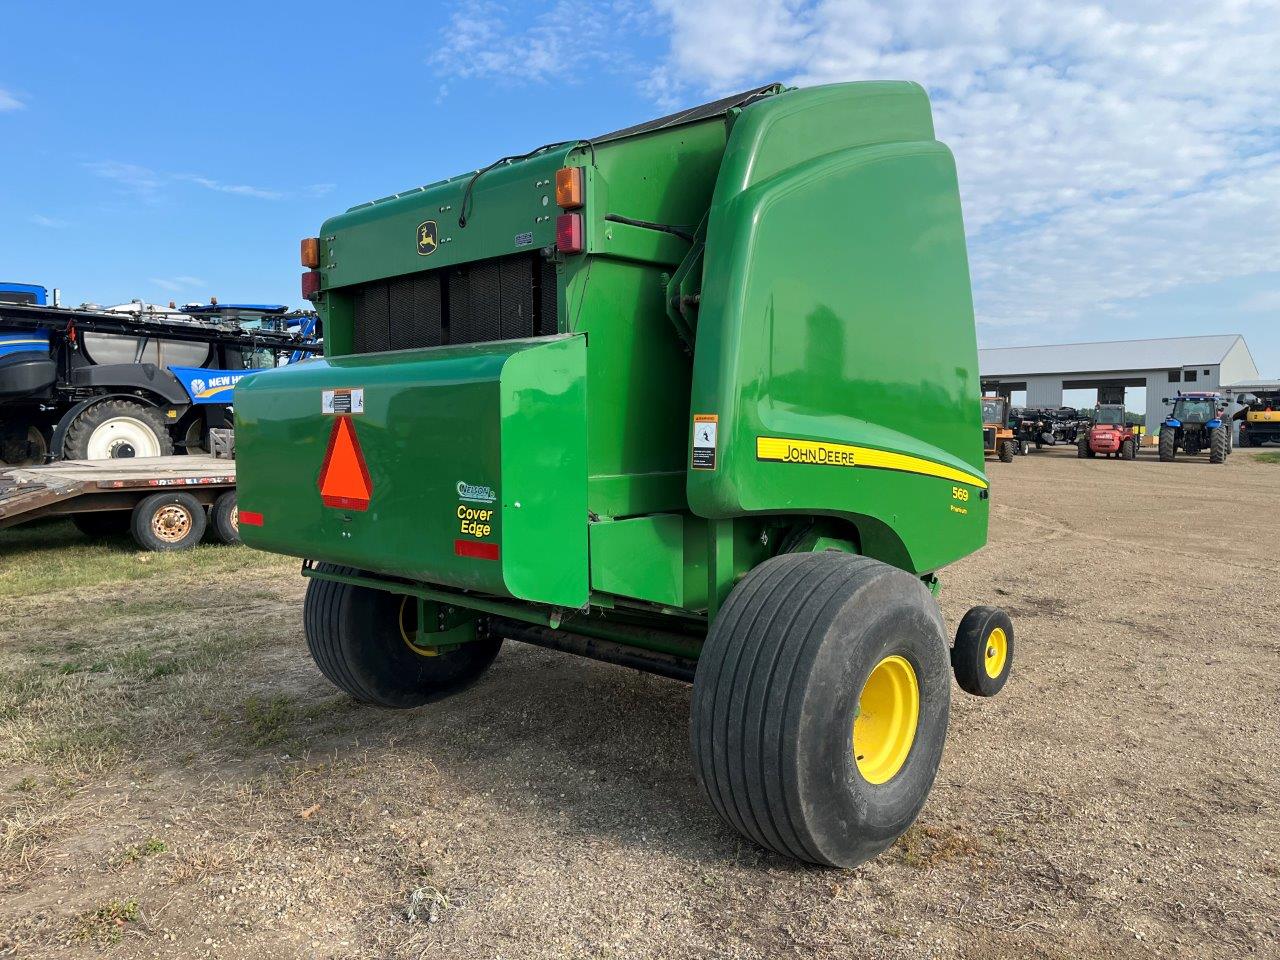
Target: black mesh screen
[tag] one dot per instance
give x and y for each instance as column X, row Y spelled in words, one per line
column 506, row 298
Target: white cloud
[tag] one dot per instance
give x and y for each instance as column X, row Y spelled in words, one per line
column 149, row 184
column 1105, row 153
column 40, row 220
column 131, row 177
column 499, row 41
column 9, row 101
column 177, row 284
column 239, row 189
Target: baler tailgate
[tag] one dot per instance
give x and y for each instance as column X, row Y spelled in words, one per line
column 453, row 465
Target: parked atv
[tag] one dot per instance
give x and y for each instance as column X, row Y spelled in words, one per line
column 1195, row 425
column 1109, row 434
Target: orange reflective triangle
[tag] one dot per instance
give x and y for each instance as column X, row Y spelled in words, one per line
column 344, row 479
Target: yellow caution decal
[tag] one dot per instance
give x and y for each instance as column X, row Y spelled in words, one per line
column 1263, row 416
column 822, row 453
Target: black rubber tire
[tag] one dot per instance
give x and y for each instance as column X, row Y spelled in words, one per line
column 224, row 519
column 1006, row 451
column 776, row 693
column 1082, row 448
column 1024, row 447
column 1168, row 444
column 1218, row 445
column 1129, row 449
column 968, row 656
column 103, row 525
column 354, row 637
column 75, row 446
column 186, row 508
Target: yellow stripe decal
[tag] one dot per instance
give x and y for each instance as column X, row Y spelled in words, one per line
column 783, row 450
column 1263, row 416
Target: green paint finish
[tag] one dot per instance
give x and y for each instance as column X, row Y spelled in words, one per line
column 642, row 558
column 836, row 308
column 824, row 298
column 434, row 421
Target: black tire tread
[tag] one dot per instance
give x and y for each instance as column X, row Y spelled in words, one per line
column 75, row 445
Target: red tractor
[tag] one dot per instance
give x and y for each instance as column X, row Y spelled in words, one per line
column 1110, row 434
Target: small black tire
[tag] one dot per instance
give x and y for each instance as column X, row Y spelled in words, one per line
column 780, row 702
column 1168, row 444
column 1218, row 445
column 983, row 653
column 103, row 525
column 168, row 521
column 1082, row 448
column 355, row 637
column 88, row 434
column 1129, row 450
column 1006, row 451
column 1024, row 447
column 224, row 519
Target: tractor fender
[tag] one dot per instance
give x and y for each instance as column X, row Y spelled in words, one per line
column 60, row 429
column 1173, row 423
column 1214, row 423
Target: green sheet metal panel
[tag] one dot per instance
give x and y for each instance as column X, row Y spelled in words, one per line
column 454, row 439
column 641, row 557
column 835, row 340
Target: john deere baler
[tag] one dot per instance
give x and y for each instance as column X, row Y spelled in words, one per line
column 698, row 397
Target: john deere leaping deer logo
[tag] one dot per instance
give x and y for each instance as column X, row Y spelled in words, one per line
column 427, row 238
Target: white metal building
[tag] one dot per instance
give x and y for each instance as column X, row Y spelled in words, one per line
column 1163, row 367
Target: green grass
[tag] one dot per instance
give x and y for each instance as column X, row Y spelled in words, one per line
column 1273, row 457
column 105, row 923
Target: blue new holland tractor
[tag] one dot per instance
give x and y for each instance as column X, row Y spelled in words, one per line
column 1195, row 425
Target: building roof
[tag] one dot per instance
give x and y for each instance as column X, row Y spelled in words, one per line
column 1167, row 354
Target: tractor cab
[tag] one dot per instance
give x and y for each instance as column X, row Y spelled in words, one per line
column 1195, row 425
column 997, row 436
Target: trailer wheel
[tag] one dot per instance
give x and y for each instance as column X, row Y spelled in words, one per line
column 1006, row 451
column 1168, row 444
column 168, row 521
column 356, row 638
column 983, row 653
column 103, row 525
column 117, row 430
column 1218, row 445
column 820, row 706
column 224, row 518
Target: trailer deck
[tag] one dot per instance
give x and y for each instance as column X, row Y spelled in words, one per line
column 87, row 486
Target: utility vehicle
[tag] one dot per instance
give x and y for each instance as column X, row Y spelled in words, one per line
column 700, row 397
column 1110, row 434
column 997, row 436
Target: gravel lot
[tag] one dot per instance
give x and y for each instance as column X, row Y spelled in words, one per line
column 176, row 779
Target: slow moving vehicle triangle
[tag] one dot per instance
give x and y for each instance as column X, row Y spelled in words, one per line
column 344, row 479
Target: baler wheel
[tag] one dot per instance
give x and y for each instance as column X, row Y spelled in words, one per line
column 983, row 654
column 356, row 638
column 820, row 706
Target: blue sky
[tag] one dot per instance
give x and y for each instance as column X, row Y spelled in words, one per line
column 1120, row 168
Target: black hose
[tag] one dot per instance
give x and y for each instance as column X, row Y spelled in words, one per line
column 684, row 233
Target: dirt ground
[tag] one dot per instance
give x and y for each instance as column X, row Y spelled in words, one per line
column 177, row 780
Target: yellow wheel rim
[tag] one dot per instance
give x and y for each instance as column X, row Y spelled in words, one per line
column 888, row 713
column 405, row 632
column 996, row 653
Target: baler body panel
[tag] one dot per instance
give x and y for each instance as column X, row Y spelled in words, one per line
column 476, row 461
column 835, row 338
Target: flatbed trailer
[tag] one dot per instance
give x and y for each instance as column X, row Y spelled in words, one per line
column 166, row 503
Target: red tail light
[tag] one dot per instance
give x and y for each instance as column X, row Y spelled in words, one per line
column 311, row 284
column 569, row 233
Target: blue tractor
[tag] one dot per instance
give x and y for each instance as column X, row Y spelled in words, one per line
column 1195, row 425
column 131, row 381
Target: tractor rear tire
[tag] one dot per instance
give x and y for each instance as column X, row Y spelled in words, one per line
column 103, row 525
column 168, row 521
column 224, row 519
column 820, row 706
column 1168, row 444
column 356, row 639
column 117, row 429
column 1006, row 451
column 1129, row 450
column 1218, row 445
